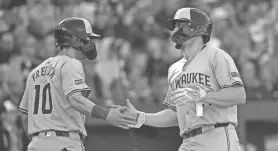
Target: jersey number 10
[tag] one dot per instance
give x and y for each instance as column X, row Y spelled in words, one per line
column 46, row 91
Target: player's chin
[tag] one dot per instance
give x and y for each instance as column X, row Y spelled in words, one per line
column 184, row 47
column 181, row 46
column 187, row 45
column 83, row 57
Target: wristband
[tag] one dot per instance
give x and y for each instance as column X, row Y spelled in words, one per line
column 99, row 112
column 140, row 120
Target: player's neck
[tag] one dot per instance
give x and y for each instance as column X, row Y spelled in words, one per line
column 67, row 52
column 192, row 51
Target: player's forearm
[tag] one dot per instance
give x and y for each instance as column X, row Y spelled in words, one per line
column 81, row 104
column 227, row 97
column 164, row 118
column 87, row 107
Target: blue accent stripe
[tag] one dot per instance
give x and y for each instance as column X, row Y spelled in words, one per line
column 79, row 90
column 23, row 110
column 169, row 106
column 233, row 84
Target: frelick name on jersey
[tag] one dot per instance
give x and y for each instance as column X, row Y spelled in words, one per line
column 187, row 78
column 47, row 70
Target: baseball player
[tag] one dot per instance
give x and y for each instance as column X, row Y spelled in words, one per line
column 55, row 99
column 204, row 89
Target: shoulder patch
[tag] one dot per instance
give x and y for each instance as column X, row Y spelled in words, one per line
column 79, row 81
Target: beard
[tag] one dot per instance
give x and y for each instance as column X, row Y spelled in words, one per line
column 178, row 46
column 186, row 44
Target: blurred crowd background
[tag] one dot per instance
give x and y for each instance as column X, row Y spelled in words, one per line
column 135, row 50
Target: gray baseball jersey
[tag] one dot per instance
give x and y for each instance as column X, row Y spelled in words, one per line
column 45, row 96
column 212, row 69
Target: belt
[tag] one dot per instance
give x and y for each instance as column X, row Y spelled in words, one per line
column 57, row 133
column 199, row 130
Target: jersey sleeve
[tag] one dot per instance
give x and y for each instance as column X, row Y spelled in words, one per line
column 73, row 78
column 167, row 102
column 23, row 107
column 225, row 70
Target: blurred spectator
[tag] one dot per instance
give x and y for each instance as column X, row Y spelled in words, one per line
column 46, row 48
column 87, row 10
column 7, row 47
column 40, row 24
column 3, row 132
column 10, row 127
column 268, row 81
column 8, row 4
column 22, row 64
column 251, row 81
column 156, row 67
column 109, row 67
column 13, row 91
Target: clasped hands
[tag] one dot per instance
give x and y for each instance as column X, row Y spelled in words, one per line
column 129, row 110
column 177, row 96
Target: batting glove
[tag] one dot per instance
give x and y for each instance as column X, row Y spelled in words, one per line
column 187, row 94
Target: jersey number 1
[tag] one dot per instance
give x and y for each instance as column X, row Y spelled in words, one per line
column 45, row 91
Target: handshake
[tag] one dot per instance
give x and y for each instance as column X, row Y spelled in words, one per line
column 129, row 117
column 125, row 117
